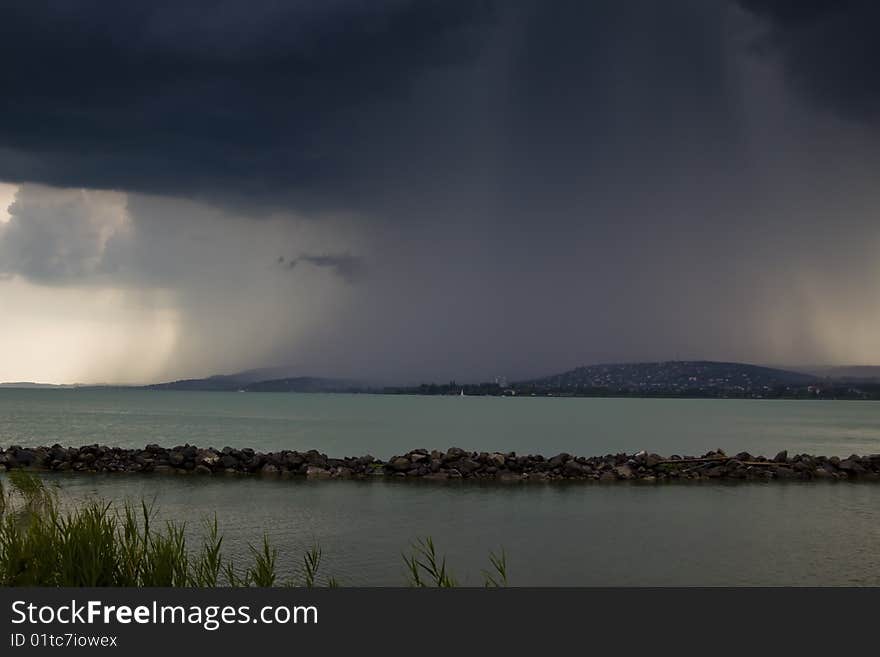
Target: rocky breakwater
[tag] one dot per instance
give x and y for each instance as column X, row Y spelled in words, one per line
column 454, row 463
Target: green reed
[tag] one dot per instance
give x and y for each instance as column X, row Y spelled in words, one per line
column 96, row 544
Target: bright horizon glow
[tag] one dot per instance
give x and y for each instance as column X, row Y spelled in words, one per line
column 75, row 335
column 88, row 295
column 7, row 196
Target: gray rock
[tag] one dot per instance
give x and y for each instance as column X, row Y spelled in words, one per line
column 784, row 473
column 852, row 466
column 624, row 471
column 24, row 458
column 207, row 457
column 454, row 453
column 466, row 466
column 58, row 453
column 573, row 469
column 454, row 463
column 400, row 464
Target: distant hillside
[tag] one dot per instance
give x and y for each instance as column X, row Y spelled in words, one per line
column 220, row 382
column 670, row 377
column 304, row 384
column 845, row 372
column 226, row 382
column 275, row 379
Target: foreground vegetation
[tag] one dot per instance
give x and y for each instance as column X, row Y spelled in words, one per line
column 96, row 544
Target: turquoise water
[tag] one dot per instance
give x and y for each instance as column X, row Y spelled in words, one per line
column 554, row 534
column 383, row 425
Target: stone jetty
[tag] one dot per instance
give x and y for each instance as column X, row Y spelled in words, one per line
column 454, row 463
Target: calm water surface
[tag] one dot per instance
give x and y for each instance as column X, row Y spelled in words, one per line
column 383, row 425
column 786, row 534
column 556, row 534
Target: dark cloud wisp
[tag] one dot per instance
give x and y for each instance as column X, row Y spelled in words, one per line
column 349, row 268
column 829, row 50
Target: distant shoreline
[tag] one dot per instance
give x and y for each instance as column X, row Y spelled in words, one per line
column 873, row 396
column 656, row 379
column 452, row 464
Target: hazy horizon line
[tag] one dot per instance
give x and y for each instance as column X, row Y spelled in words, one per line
column 378, row 382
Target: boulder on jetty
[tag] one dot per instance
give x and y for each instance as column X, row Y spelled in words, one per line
column 454, row 463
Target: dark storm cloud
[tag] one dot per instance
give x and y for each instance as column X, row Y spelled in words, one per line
column 369, row 106
column 829, row 49
column 348, row 267
column 533, row 185
column 265, row 98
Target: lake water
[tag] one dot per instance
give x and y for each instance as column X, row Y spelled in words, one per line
column 384, row 425
column 554, row 534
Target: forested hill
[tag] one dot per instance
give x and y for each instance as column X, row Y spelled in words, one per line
column 670, row 377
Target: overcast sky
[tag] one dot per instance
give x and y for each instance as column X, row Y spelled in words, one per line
column 406, row 191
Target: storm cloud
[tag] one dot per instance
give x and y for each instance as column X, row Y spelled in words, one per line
column 405, row 191
column 348, row 267
column 828, row 48
column 266, row 100
column 59, row 236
